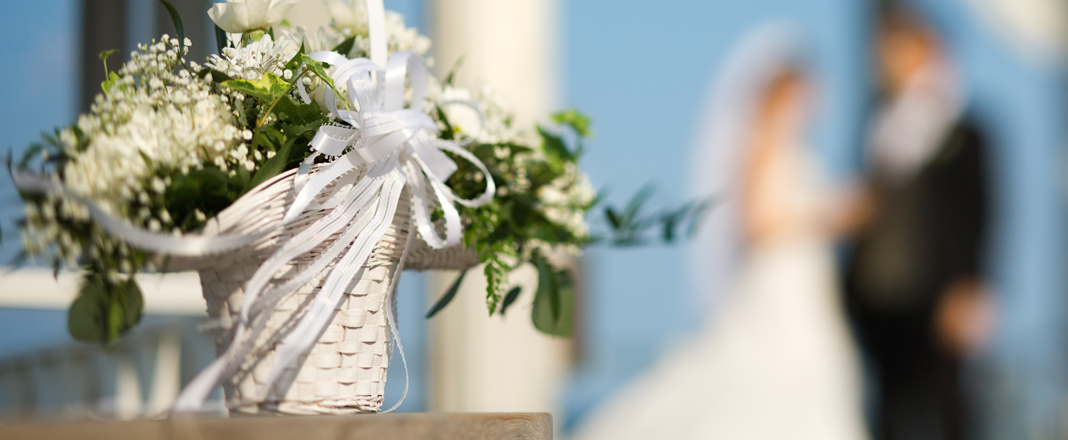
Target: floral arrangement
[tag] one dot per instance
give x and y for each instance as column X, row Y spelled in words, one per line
column 169, row 143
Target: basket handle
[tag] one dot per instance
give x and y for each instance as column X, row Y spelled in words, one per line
column 376, row 32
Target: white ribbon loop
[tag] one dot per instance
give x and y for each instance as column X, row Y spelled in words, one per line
column 332, row 140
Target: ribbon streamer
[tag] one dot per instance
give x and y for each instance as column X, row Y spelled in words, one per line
column 184, row 246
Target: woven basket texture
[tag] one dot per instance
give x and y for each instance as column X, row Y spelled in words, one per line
column 345, row 372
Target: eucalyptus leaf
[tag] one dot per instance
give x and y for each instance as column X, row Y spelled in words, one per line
column 447, row 297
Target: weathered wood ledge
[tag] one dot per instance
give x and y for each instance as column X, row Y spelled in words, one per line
column 443, row 426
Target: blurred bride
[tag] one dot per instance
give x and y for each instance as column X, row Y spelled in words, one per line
column 777, row 360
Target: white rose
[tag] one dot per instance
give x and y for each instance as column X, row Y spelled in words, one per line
column 236, row 16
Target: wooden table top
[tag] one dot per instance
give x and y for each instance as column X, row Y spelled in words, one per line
column 443, row 426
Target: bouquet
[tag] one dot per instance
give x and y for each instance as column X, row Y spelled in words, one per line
column 169, row 143
column 345, row 125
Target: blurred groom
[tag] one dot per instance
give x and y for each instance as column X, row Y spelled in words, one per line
column 914, row 281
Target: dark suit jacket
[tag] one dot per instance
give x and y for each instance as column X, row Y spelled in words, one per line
column 926, row 234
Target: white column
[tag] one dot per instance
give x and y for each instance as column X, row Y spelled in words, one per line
column 167, row 375
column 128, row 402
column 478, row 362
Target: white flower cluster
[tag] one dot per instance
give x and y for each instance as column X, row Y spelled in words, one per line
column 564, row 200
column 156, row 117
column 154, row 120
column 252, row 61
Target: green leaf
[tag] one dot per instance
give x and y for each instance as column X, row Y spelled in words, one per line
column 216, row 76
column 239, row 182
column 317, row 68
column 103, row 311
column 268, row 87
column 614, row 219
column 105, row 54
column 294, row 63
column 447, row 133
column 510, row 298
column 87, row 318
column 27, row 156
column 127, row 301
column 447, row 297
column 112, row 79
column 221, row 40
column 669, row 221
column 452, row 72
column 635, row 205
column 629, row 225
column 553, row 308
column 496, row 271
column 698, row 216
column 272, row 166
column 301, row 118
column 556, row 151
column 177, row 21
column 345, row 46
column 104, row 58
column 574, row 119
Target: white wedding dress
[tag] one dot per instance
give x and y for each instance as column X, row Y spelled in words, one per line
column 777, row 361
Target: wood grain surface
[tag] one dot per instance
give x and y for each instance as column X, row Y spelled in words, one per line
column 443, row 426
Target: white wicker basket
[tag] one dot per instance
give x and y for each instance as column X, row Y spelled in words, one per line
column 346, row 370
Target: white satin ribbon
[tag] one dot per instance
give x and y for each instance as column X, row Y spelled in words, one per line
column 183, row 246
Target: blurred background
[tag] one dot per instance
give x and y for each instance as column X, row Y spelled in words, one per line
column 646, row 73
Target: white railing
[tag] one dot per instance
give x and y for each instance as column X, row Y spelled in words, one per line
column 139, row 376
